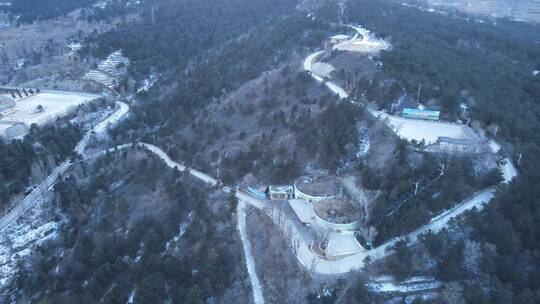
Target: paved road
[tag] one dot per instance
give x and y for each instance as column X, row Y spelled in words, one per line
column 36, row 195
column 317, row 264
column 250, row 261
column 307, row 257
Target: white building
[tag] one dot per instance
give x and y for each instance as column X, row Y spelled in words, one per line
column 281, row 193
column 339, row 38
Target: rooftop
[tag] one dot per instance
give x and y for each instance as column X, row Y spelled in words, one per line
column 420, row 112
column 337, row 211
column 340, row 36
column 282, row 189
column 457, row 141
column 324, row 186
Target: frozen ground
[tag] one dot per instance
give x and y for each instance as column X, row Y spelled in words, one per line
column 494, row 146
column 323, row 69
column 250, row 262
column 508, row 170
column 415, row 284
column 55, row 104
column 429, row 131
column 19, row 239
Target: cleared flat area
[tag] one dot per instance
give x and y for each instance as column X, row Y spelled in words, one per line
column 523, row 10
column 364, row 42
column 55, row 104
column 419, row 130
column 323, row 69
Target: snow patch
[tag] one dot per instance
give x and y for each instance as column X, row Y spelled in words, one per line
column 19, row 239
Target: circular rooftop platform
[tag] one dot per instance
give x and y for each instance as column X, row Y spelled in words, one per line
column 337, row 211
column 324, row 186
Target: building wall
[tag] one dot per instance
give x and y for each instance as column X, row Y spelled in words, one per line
column 311, row 199
column 348, row 228
column 460, row 148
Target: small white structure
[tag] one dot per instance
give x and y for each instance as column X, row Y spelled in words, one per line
column 339, row 38
column 281, row 193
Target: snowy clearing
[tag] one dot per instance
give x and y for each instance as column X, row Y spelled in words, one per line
column 429, row 131
column 55, row 104
column 323, row 69
column 19, row 239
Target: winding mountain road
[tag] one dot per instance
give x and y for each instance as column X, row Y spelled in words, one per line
column 36, row 195
column 305, row 255
column 320, row 265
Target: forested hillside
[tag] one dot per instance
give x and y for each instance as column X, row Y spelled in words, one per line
column 171, row 33
column 31, row 10
column 490, row 68
column 137, row 230
column 33, row 157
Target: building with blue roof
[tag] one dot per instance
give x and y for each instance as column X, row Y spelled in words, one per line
column 420, row 114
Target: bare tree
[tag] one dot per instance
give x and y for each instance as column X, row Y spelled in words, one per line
column 369, row 233
column 452, row 293
column 313, row 264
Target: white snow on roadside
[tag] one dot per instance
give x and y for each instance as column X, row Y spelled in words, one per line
column 250, row 262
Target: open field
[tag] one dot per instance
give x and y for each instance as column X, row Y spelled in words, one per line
column 55, row 104
column 419, row 130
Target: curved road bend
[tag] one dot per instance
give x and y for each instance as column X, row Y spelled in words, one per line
column 318, row 264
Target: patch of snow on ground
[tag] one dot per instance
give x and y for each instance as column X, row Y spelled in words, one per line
column 322, row 69
column 536, row 72
column 148, row 83
column 508, row 170
column 250, row 262
column 416, row 284
column 183, row 228
column 19, row 239
column 131, row 297
column 494, row 146
column 363, row 143
column 419, row 130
